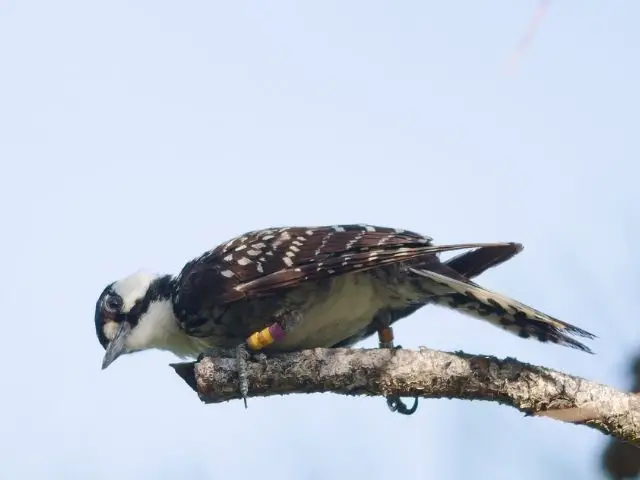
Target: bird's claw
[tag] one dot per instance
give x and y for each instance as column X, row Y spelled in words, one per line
column 261, row 358
column 240, row 354
column 395, row 403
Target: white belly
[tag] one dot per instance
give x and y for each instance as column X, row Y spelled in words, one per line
column 348, row 308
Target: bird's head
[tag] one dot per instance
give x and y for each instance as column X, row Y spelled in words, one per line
column 122, row 311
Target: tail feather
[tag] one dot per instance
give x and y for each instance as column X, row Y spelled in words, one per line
column 475, row 262
column 468, row 264
column 502, row 311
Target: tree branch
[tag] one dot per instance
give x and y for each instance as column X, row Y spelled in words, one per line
column 622, row 460
column 426, row 373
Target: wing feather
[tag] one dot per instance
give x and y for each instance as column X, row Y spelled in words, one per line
column 341, row 262
column 262, row 262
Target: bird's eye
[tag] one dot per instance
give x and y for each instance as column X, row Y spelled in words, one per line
column 113, row 303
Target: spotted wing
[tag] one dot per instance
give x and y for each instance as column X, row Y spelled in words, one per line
column 266, row 261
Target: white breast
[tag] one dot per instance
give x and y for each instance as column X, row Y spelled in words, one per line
column 158, row 328
column 349, row 307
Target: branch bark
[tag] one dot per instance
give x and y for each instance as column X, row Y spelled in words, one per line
column 426, row 373
column 620, row 459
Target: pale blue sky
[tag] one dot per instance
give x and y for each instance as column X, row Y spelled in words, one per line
column 139, row 134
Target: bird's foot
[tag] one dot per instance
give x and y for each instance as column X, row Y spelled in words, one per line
column 395, row 403
column 252, row 346
column 241, row 354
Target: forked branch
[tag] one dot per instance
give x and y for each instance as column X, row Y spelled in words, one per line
column 426, row 373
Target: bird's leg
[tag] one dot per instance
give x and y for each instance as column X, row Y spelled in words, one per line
column 240, row 354
column 385, row 340
column 259, row 340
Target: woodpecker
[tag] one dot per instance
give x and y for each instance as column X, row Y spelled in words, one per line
column 293, row 288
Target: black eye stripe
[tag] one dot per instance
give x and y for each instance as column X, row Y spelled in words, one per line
column 159, row 289
column 141, row 305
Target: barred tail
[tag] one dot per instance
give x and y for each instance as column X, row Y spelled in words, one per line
column 502, row 311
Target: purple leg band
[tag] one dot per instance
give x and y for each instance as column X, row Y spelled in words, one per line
column 276, row 331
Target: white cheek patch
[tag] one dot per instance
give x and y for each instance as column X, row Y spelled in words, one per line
column 156, row 327
column 109, row 329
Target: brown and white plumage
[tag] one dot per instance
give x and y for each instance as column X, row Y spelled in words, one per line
column 502, row 311
column 334, row 280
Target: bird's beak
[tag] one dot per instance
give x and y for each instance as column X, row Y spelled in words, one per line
column 116, row 346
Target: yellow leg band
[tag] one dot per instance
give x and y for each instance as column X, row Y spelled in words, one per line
column 260, row 339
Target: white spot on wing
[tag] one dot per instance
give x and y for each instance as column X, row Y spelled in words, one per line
column 244, row 261
column 288, row 262
column 385, row 239
column 323, row 243
column 226, row 273
column 284, row 236
column 354, row 240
